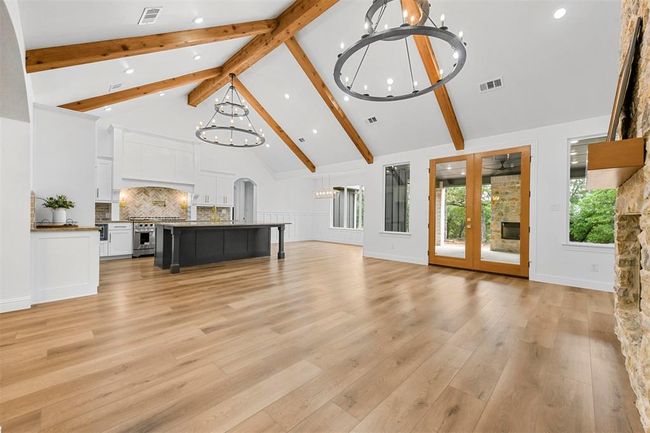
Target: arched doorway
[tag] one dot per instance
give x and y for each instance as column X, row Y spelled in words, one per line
column 245, row 203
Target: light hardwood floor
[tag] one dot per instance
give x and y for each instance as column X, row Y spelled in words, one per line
column 324, row 341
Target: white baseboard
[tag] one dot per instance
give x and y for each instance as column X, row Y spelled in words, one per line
column 51, row 294
column 574, row 282
column 15, row 304
column 395, row 258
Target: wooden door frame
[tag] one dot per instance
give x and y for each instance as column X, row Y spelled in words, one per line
column 454, row 262
column 472, row 251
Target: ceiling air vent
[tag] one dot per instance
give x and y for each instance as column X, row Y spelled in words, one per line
column 491, row 85
column 113, row 87
column 149, row 15
column 302, row 140
column 371, row 120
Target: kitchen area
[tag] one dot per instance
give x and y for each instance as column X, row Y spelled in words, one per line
column 121, row 185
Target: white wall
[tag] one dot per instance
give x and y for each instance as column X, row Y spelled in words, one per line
column 553, row 259
column 64, row 161
column 15, row 163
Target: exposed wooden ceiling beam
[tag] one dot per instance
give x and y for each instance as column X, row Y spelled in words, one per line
column 259, row 109
column 136, row 92
column 325, row 93
column 428, row 57
column 293, row 19
column 43, row 59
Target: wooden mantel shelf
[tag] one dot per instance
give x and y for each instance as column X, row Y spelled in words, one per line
column 611, row 163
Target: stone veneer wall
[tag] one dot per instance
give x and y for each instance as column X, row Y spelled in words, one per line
column 204, row 213
column 153, row 202
column 632, row 283
column 506, row 204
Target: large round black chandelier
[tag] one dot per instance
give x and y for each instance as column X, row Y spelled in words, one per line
column 238, row 130
column 347, row 72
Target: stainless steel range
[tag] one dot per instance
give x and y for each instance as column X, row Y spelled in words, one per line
column 144, row 234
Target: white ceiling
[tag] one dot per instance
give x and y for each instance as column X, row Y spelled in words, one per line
column 553, row 70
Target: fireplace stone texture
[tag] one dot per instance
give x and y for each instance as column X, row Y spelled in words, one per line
column 632, row 241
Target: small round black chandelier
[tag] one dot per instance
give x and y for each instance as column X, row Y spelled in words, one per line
column 411, row 26
column 238, row 130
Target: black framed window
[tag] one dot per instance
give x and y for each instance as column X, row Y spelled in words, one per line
column 397, row 182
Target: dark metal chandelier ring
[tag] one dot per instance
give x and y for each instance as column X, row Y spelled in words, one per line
column 232, row 106
column 234, row 110
column 201, row 132
column 401, row 32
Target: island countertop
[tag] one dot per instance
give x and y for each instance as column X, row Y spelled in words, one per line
column 238, row 224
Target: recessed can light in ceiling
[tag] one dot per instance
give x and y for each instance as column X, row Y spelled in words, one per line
column 197, row 57
column 315, row 131
column 129, row 71
column 198, row 20
column 559, row 13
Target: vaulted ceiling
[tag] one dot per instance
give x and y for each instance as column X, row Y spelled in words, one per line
column 553, row 71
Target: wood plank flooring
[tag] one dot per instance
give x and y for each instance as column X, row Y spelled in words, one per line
column 324, row 341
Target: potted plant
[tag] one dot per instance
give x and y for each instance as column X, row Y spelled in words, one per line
column 58, row 204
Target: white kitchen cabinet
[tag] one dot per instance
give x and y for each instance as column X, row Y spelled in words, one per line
column 205, row 190
column 225, row 190
column 120, row 239
column 103, row 248
column 104, row 186
column 147, row 157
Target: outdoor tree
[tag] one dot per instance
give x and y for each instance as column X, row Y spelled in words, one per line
column 591, row 213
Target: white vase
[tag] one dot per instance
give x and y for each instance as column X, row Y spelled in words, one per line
column 59, row 216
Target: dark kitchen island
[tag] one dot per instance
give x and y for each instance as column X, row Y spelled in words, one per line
column 199, row 243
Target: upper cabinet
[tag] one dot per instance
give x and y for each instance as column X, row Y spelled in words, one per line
column 205, row 190
column 150, row 158
column 214, row 189
column 104, row 186
column 225, row 190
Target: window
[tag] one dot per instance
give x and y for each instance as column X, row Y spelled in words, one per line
column 397, row 181
column 347, row 207
column 591, row 213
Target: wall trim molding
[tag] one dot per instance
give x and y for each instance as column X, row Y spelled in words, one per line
column 574, row 282
column 15, row 304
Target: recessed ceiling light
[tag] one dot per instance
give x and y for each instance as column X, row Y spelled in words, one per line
column 268, row 145
column 197, row 20
column 287, row 96
column 559, row 13
column 389, row 81
column 108, row 108
column 315, row 131
column 342, row 45
column 162, row 93
column 129, row 70
column 197, row 57
column 346, row 98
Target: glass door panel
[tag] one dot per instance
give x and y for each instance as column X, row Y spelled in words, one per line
column 501, row 208
column 451, row 215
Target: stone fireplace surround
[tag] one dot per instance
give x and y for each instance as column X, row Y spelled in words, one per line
column 632, row 223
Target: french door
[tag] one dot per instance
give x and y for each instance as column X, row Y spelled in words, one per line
column 479, row 211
